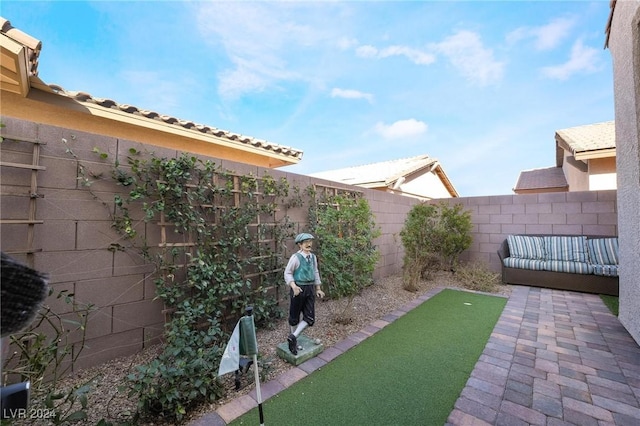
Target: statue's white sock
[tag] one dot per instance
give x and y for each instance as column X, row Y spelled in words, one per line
column 301, row 326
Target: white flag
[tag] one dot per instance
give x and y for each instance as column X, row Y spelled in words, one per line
column 231, row 356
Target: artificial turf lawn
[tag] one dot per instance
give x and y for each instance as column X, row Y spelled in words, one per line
column 409, row 373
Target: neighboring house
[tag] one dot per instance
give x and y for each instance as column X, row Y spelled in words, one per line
column 585, row 161
column 26, row 96
column 419, row 177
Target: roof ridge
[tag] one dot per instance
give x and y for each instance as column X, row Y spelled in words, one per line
column 384, row 162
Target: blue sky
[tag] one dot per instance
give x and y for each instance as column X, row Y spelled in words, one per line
column 481, row 86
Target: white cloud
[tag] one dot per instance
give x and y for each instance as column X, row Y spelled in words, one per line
column 351, row 94
column 257, row 38
column 467, row 53
column 583, row 59
column 366, row 51
column 401, row 129
column 545, row 37
column 345, row 43
column 414, row 55
column 550, row 35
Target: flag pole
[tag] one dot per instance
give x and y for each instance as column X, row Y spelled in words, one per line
column 249, row 345
column 259, row 396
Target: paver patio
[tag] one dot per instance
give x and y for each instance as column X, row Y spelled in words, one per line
column 554, row 358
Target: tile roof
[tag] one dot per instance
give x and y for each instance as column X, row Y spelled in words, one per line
column 83, row 97
column 378, row 174
column 545, row 178
column 33, row 48
column 592, row 137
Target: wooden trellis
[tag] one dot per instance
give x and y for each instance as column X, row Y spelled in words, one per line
column 217, row 205
column 29, row 218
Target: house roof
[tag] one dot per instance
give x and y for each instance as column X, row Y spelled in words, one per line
column 546, row 178
column 596, row 140
column 19, row 76
column 387, row 173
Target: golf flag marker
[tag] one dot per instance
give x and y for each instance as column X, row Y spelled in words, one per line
column 231, row 357
column 243, row 342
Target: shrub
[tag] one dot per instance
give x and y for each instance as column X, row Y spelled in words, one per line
column 344, row 229
column 433, row 236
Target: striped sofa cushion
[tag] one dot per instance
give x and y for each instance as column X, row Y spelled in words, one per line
column 603, row 251
column 532, row 264
column 605, row 270
column 567, row 266
column 570, row 249
column 526, row 247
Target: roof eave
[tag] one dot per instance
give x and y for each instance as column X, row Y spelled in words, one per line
column 445, row 180
column 593, row 154
column 62, row 111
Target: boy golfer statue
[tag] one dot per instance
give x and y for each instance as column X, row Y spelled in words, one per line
column 303, row 279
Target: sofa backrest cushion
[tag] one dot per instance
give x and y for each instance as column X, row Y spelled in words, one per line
column 603, row 251
column 566, row 248
column 526, row 247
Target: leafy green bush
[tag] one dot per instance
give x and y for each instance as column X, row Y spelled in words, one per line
column 433, row 236
column 344, row 229
column 214, row 265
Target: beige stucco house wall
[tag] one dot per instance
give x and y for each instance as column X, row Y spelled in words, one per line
column 602, row 174
column 421, row 177
column 417, row 185
column 597, row 174
column 624, row 44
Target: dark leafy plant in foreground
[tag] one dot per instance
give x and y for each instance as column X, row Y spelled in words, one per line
column 44, row 358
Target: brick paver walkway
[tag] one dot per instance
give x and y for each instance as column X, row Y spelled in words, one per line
column 554, row 358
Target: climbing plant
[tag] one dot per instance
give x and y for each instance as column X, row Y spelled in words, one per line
column 344, row 227
column 218, row 242
column 218, row 252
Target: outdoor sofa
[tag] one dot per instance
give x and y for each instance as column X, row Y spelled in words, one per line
column 565, row 262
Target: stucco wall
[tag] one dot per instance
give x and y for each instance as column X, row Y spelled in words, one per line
column 602, row 173
column 624, row 44
column 576, row 179
column 427, row 185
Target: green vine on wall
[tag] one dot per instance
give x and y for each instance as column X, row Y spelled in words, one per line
column 218, row 242
column 344, row 227
column 219, row 256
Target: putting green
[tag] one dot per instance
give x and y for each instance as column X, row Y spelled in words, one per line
column 409, row 373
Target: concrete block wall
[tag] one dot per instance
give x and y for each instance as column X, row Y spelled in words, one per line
column 75, row 241
column 569, row 213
